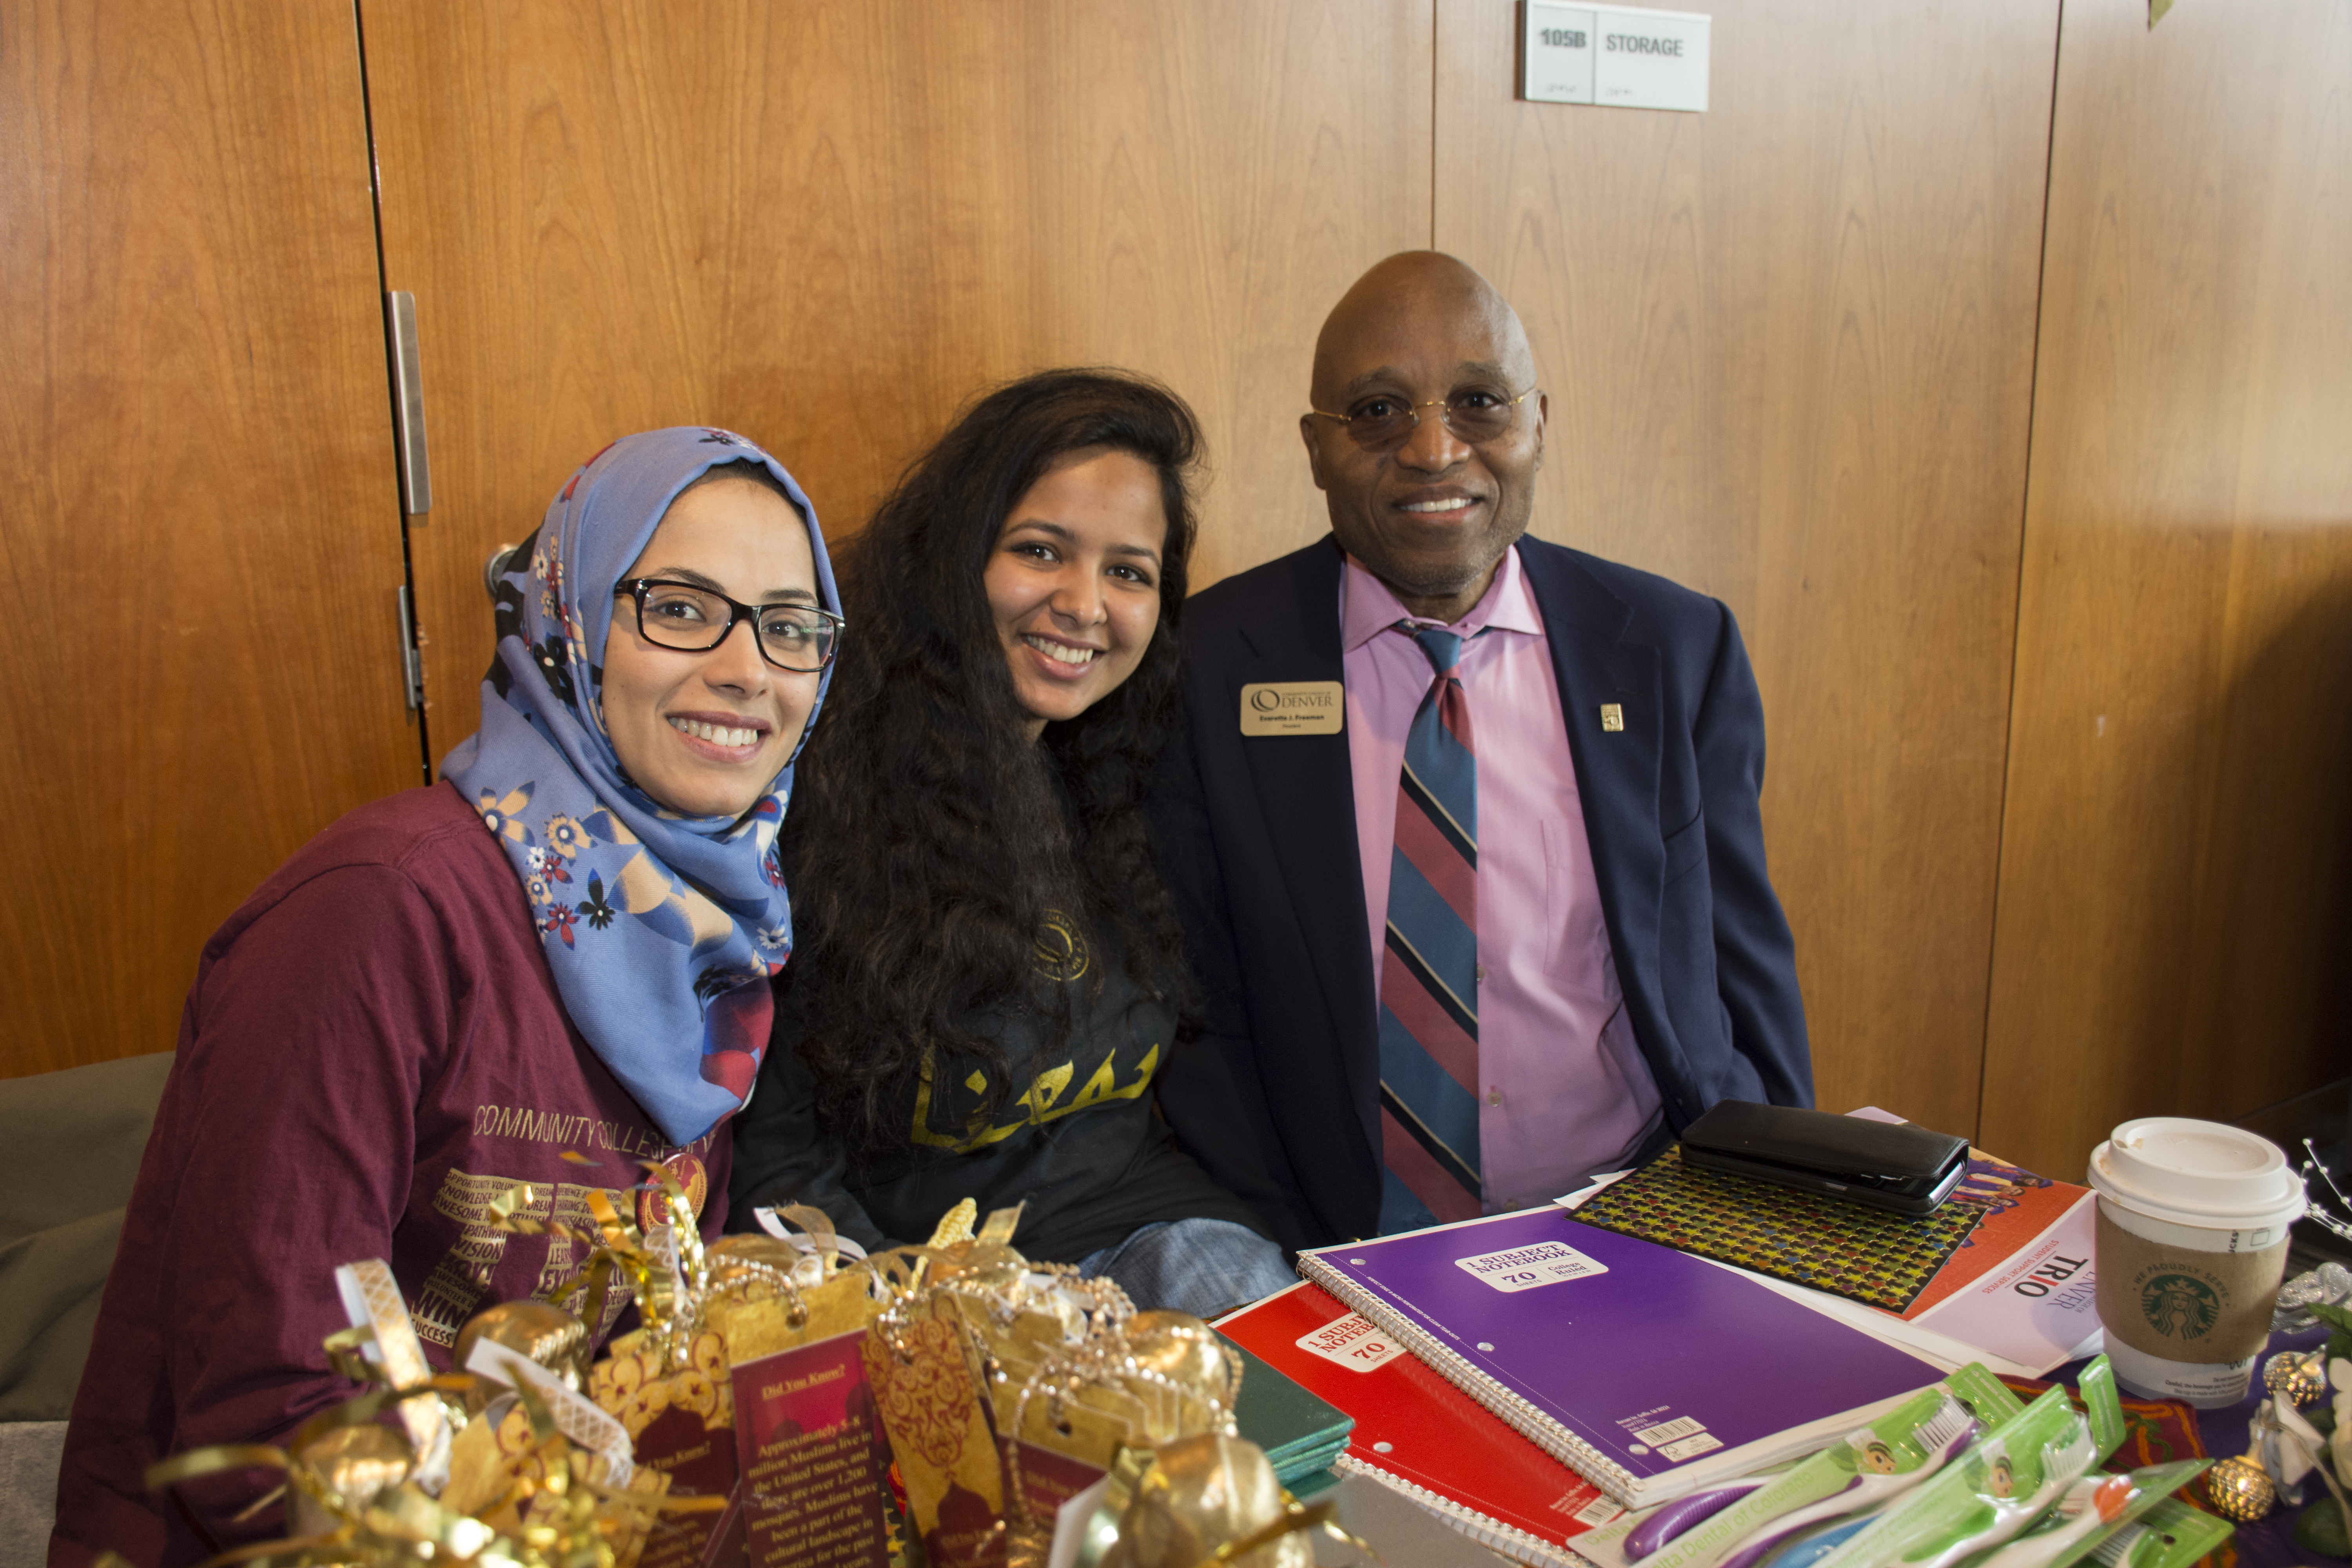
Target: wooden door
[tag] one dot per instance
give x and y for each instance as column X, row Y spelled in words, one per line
column 827, row 225
column 2176, row 931
column 1789, row 345
column 202, row 545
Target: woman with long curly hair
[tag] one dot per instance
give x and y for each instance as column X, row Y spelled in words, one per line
column 989, row 972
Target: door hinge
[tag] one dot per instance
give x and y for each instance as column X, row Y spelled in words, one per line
column 408, row 403
column 412, row 662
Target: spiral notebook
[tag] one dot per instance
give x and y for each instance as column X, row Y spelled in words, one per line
column 1418, row 1435
column 1648, row 1371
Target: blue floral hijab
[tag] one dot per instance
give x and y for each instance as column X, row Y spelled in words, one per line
column 662, row 931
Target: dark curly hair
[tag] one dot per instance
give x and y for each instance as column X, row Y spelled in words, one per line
column 928, row 836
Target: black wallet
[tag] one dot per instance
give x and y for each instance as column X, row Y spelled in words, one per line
column 1887, row 1164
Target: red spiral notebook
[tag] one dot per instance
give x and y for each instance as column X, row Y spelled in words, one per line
column 1417, row 1433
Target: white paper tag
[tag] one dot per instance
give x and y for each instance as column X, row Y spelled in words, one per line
column 1666, row 1432
column 1525, row 1268
column 1690, row 1448
column 766, row 1216
column 578, row 1417
column 1072, row 1528
column 372, row 1301
column 1355, row 1341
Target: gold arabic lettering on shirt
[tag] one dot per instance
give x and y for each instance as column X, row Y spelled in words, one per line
column 1041, row 1102
column 1061, row 954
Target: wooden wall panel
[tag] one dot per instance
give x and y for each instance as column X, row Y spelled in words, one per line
column 200, row 534
column 1788, row 346
column 2176, row 891
column 828, row 225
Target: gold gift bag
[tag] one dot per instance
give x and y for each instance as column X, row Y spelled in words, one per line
column 1068, row 1406
column 681, row 1425
column 809, row 1441
column 925, row 1372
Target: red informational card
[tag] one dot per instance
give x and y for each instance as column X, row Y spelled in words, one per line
column 1047, row 1480
column 1418, row 1433
column 811, row 1450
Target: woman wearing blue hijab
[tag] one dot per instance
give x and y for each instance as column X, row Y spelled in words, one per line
column 549, row 967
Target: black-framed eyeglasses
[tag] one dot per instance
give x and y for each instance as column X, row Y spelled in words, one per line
column 1382, row 419
column 673, row 614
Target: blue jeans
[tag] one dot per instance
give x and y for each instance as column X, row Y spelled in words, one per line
column 1205, row 1267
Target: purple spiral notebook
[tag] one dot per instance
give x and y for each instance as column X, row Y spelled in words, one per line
column 1648, row 1371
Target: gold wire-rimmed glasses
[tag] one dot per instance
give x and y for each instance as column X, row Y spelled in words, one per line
column 1382, row 419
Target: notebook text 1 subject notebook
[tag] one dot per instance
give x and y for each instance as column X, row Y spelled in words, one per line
column 1649, row 1371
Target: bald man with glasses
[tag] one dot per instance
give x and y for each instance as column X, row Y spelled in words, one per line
column 1463, row 826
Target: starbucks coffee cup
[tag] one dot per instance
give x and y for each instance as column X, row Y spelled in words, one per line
column 2192, row 1237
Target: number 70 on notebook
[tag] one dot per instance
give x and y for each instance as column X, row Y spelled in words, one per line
column 1525, row 1267
column 1353, row 1340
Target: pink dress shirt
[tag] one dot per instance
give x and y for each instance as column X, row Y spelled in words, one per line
column 1563, row 1088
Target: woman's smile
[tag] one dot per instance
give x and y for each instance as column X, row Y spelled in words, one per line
column 1073, row 581
column 720, row 735
column 1072, row 657
column 706, row 732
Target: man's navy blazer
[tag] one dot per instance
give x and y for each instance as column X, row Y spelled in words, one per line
column 1277, row 1092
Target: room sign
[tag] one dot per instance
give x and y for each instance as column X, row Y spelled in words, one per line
column 1613, row 56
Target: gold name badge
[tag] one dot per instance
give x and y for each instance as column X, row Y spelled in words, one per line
column 1294, row 708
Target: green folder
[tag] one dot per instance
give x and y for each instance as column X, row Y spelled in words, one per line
column 1300, row 1434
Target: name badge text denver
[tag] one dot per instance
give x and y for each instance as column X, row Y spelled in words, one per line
column 1294, row 708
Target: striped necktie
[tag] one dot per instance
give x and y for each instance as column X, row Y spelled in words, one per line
column 1429, row 970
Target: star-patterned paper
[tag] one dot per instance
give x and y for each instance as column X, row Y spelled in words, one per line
column 1865, row 1254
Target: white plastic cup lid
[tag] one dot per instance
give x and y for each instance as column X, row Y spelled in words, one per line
column 2197, row 1173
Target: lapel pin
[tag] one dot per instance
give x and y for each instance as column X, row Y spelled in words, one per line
column 1612, row 717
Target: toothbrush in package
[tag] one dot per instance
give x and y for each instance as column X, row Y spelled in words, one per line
column 1741, row 1521
column 1878, row 1480
column 2171, row 1534
column 1994, row 1491
column 2091, row 1511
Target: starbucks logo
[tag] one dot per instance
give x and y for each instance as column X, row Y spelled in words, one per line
column 2180, row 1306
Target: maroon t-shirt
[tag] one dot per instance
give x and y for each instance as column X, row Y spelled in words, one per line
column 373, row 1050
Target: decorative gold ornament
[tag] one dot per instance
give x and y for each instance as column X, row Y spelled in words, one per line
column 749, row 1268
column 956, row 1225
column 752, row 1251
column 1183, row 1357
column 1207, row 1492
column 548, row 1335
column 352, row 1466
column 2240, row 1490
column 2299, row 1374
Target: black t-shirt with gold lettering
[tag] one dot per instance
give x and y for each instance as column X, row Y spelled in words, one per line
column 1080, row 1142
